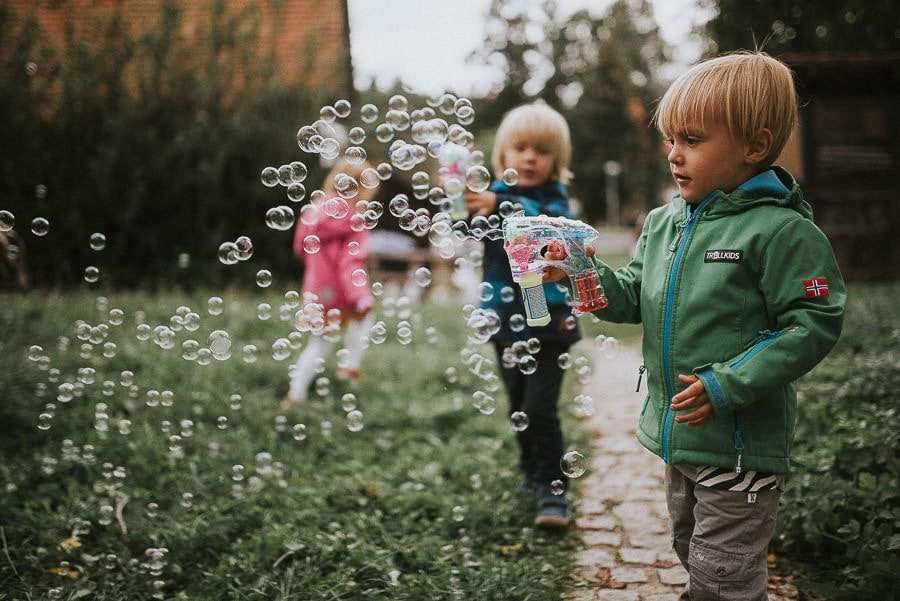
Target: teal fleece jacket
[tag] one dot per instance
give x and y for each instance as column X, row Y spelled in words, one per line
column 743, row 291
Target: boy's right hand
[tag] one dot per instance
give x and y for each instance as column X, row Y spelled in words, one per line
column 555, row 252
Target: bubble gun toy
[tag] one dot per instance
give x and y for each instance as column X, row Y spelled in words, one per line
column 454, row 161
column 525, row 241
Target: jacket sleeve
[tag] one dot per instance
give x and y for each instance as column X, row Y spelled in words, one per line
column 623, row 286
column 805, row 297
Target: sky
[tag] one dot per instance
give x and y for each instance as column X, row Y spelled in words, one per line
column 425, row 42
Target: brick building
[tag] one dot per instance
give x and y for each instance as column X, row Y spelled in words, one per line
column 307, row 39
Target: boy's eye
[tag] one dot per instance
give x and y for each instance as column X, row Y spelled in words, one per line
column 691, row 140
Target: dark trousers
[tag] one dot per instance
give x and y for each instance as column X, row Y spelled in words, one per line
column 537, row 395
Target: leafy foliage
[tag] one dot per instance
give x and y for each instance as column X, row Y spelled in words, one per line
column 130, row 129
column 803, row 26
column 601, row 73
column 841, row 514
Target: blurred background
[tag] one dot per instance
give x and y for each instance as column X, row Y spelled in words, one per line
column 149, row 122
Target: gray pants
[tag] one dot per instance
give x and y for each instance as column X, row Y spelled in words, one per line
column 720, row 536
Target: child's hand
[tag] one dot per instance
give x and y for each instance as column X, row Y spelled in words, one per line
column 692, row 397
column 480, row 203
column 555, row 252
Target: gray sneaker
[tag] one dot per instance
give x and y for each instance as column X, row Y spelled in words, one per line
column 552, row 510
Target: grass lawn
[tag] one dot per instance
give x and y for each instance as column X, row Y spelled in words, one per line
column 135, row 466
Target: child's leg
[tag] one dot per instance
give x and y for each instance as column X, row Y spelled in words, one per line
column 355, row 340
column 727, row 551
column 305, row 368
column 680, row 500
column 540, row 400
column 513, row 381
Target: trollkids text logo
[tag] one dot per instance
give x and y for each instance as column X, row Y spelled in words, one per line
column 723, row 256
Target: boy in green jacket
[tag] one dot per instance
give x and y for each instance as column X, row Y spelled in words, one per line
column 739, row 294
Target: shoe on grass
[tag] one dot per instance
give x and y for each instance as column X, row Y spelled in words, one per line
column 552, row 510
column 347, row 374
column 288, row 401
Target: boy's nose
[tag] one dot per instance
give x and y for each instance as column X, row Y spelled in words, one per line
column 674, row 156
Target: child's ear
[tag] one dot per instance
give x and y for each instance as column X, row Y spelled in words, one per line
column 759, row 147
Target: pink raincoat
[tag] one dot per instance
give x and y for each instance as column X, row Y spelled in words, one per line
column 328, row 271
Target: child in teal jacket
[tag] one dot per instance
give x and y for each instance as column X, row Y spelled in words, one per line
column 739, row 295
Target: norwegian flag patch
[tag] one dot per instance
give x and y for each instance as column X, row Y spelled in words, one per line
column 816, row 287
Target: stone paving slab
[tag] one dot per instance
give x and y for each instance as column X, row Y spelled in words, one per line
column 622, row 518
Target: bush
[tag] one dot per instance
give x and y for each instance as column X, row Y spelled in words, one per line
column 133, row 129
column 841, row 516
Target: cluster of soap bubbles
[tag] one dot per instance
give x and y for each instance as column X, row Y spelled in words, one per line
column 412, row 137
column 239, row 250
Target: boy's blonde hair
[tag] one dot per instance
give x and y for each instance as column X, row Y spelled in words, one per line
column 540, row 124
column 745, row 91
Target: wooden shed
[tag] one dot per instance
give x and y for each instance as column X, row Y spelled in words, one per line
column 847, row 156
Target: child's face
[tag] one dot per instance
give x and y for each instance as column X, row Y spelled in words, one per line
column 533, row 161
column 707, row 159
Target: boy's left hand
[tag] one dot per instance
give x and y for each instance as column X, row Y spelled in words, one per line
column 692, row 397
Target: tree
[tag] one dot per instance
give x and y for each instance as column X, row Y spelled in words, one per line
column 804, row 25
column 600, row 73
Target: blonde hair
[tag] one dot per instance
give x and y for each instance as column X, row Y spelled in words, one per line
column 745, row 91
column 540, row 124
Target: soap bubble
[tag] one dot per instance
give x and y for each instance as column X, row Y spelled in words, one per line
column 485, row 291
column 564, row 361
column 572, row 464
column 98, row 241
column 296, row 192
column 357, row 135
column 368, row 113
column 484, row 402
column 342, row 108
column 478, row 178
column 299, row 172
column 510, row 177
column 91, row 274
column 354, row 420
column 264, row 311
column 263, row 278
column 359, row 277
column 346, row 186
column 353, row 248
column 377, row 333
column 285, row 175
column 311, row 244
column 519, row 420
column 7, row 221
column 281, row 349
column 610, row 348
column 40, row 226
column 298, row 432
column 422, row 277
column 280, row 217
column 228, row 253
column 336, row 207
column 384, row 133
column 269, row 177
column 528, row 365
column 215, row 305
column 219, row 343
column 557, row 487
column 517, row 322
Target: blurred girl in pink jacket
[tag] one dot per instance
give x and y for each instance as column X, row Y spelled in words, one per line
column 332, row 241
